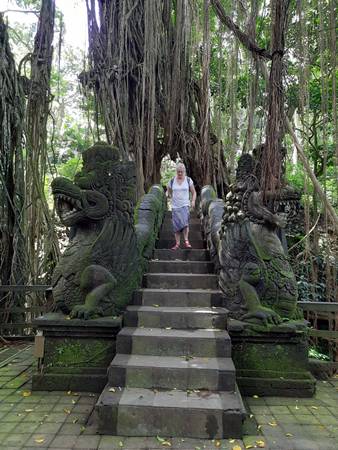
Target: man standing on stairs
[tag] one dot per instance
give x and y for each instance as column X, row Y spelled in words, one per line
column 179, row 189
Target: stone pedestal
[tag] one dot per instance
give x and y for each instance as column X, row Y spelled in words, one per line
column 273, row 362
column 74, row 354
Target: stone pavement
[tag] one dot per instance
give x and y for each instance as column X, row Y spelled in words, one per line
column 63, row 420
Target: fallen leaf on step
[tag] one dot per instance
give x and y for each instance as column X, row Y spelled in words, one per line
column 112, row 389
column 29, row 410
column 249, row 446
column 120, row 444
column 288, row 435
column 67, row 411
column 255, row 396
column 236, row 447
column 231, row 441
column 168, row 328
column 160, row 439
column 39, row 440
column 26, row 393
column 260, row 444
column 156, row 306
column 272, row 424
column 314, row 407
column 217, row 444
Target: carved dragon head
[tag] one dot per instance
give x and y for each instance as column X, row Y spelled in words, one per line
column 104, row 187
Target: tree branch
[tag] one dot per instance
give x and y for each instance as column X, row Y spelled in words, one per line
column 245, row 39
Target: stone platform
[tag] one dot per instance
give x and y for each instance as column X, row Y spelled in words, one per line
column 63, row 420
column 74, row 352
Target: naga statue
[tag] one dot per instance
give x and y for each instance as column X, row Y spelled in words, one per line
column 100, row 267
column 255, row 275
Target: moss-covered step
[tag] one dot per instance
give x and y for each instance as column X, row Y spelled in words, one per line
column 273, row 362
column 76, row 353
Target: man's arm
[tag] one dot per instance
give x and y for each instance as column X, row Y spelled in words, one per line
column 193, row 199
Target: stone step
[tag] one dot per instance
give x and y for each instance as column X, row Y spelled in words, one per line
column 182, row 254
column 163, row 266
column 178, row 297
column 175, row 317
column 167, row 234
column 162, row 342
column 193, row 221
column 146, row 412
column 168, row 243
column 172, row 372
column 180, row 281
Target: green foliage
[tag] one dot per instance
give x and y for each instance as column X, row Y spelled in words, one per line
column 314, row 353
column 70, row 167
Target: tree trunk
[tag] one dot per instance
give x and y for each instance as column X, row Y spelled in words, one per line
column 271, row 157
column 13, row 261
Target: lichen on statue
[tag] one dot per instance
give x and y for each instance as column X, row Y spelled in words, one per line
column 256, row 276
column 93, row 275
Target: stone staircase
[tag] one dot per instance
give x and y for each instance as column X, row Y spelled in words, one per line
column 173, row 374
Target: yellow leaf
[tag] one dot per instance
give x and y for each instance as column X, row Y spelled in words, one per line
column 26, row 393
column 251, row 416
column 260, row 444
column 120, row 444
column 217, row 444
column 112, row 390
column 75, row 420
column 259, row 427
column 39, row 440
column 231, row 441
column 29, row 410
column 82, row 429
column 156, row 306
column 166, row 444
column 314, row 407
column 255, row 396
column 296, row 407
column 272, row 424
column 73, row 402
column 289, row 435
column 67, row 411
column 236, row 447
column 249, row 446
column 69, row 393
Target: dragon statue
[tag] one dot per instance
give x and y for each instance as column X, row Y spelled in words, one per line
column 255, row 274
column 100, row 267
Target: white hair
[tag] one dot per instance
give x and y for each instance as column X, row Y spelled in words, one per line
column 180, row 166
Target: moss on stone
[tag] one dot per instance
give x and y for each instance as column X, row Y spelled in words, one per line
column 76, row 353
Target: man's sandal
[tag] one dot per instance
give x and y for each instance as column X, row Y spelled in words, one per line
column 187, row 244
column 175, row 247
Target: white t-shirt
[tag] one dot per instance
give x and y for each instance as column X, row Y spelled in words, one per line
column 180, row 193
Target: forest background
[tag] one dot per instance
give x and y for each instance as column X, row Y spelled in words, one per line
column 164, row 80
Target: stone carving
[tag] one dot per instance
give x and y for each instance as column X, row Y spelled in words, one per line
column 100, row 267
column 148, row 220
column 256, row 276
column 212, row 209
